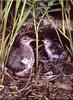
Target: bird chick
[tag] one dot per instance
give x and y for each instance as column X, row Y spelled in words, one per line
column 21, row 59
column 54, row 50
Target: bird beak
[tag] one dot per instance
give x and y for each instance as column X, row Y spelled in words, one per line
column 35, row 40
column 42, row 40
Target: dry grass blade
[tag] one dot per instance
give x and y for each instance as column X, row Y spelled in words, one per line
column 3, row 43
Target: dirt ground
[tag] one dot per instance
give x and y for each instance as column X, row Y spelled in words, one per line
column 56, row 85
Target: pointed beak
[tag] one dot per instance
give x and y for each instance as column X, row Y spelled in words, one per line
column 34, row 40
column 42, row 40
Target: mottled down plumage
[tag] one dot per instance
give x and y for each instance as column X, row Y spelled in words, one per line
column 54, row 50
column 21, row 58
